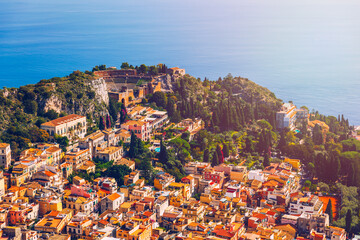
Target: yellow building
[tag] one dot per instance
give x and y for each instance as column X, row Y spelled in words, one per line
column 47, row 205
column 19, row 175
column 183, row 188
column 205, row 198
column 163, row 180
column 176, row 201
column 134, row 231
column 54, row 222
column 295, row 163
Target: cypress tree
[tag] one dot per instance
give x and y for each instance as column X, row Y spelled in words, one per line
column 206, row 157
column 163, row 155
column 272, row 119
column 329, row 211
column 220, row 154
column 215, row 159
column 108, row 121
column 266, row 160
column 317, row 135
column 348, row 220
column 123, row 113
column 170, row 108
column 139, row 146
column 249, row 145
column 261, row 143
column 282, row 141
column 226, row 150
column 102, row 123
column 133, row 151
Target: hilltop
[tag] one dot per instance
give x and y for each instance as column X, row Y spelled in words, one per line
column 23, row 109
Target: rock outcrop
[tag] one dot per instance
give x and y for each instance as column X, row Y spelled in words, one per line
column 100, row 89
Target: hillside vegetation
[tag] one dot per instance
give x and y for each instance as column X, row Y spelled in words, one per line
column 22, row 110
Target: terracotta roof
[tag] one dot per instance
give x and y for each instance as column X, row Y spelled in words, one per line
column 48, row 173
column 224, row 233
column 259, row 215
column 110, row 150
column 132, row 122
column 4, row 145
column 53, row 149
column 103, row 222
column 148, row 214
column 20, row 166
column 62, row 120
column 170, row 215
column 114, row 196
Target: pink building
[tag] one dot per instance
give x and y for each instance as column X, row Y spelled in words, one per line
column 81, row 191
column 216, row 176
column 141, row 129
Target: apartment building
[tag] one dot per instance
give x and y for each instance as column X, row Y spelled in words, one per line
column 286, row 116
column 77, row 157
column 93, row 141
column 310, row 205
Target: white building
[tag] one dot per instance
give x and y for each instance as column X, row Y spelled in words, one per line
column 310, row 205
column 286, row 116
column 257, row 175
column 72, row 126
column 112, row 202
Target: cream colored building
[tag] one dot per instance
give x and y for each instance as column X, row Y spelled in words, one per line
column 2, row 185
column 72, row 126
column 5, row 155
column 110, row 154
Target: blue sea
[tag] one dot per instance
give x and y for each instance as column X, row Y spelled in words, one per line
column 306, row 51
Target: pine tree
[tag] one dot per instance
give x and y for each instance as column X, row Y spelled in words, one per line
column 329, row 211
column 102, row 123
column 206, row 157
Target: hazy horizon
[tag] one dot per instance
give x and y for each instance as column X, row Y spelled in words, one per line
column 304, row 51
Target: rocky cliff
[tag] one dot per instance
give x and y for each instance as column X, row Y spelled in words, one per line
column 78, row 93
